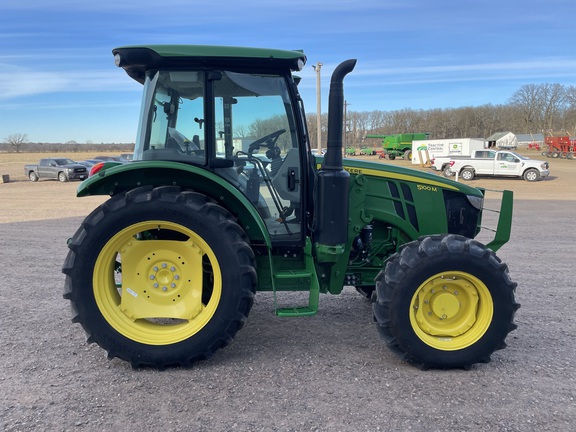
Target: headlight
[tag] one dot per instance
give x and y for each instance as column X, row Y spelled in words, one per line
column 117, row 59
column 300, row 65
column 476, row 202
column 69, row 170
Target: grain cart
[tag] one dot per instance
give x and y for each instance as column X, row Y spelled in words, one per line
column 398, row 145
column 225, row 198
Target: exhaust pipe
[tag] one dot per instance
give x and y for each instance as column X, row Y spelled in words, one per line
column 333, row 158
column 333, row 182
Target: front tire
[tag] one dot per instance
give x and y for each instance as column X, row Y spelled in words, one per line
column 408, row 155
column 62, row 177
column 445, row 301
column 531, row 175
column 160, row 277
column 33, row 176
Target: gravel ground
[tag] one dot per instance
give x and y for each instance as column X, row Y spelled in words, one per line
column 330, row 372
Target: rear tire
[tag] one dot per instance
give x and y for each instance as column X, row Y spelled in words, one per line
column 467, row 174
column 447, row 172
column 408, row 155
column 445, row 301
column 160, row 277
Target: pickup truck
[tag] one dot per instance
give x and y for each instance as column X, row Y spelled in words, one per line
column 63, row 169
column 442, row 163
column 504, row 163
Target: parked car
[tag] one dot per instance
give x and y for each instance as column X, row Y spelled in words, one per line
column 442, row 163
column 504, row 164
column 111, row 158
column 63, row 169
column 88, row 163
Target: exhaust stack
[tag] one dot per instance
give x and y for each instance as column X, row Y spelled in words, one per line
column 333, row 182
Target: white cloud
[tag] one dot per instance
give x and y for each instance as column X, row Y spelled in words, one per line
column 175, row 5
column 420, row 73
column 16, row 81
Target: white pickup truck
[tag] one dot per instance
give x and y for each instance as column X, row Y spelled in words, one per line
column 442, row 163
column 504, row 163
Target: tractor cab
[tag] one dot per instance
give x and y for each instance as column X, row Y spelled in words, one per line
column 243, row 122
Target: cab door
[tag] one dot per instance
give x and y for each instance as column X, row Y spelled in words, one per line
column 257, row 129
column 47, row 169
column 507, row 164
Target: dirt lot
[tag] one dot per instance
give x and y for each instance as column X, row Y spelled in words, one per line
column 330, row 372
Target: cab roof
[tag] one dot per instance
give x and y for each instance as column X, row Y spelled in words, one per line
column 138, row 59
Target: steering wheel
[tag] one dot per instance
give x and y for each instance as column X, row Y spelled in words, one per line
column 269, row 139
column 181, row 140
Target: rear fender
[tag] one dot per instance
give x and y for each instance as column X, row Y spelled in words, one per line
column 125, row 177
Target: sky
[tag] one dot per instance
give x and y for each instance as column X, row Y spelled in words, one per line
column 58, row 82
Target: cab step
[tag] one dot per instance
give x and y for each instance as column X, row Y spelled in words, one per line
column 309, row 272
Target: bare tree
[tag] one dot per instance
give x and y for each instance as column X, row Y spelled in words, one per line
column 570, row 112
column 528, row 99
column 17, row 141
column 554, row 99
column 532, row 108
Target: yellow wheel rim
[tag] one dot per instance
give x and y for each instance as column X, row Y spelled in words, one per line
column 451, row 311
column 167, row 290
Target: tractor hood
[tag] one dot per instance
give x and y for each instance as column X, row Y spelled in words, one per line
column 375, row 169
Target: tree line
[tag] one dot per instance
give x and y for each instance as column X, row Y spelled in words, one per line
column 534, row 108
column 18, row 143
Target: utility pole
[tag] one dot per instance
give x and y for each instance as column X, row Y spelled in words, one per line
column 317, row 68
column 345, row 124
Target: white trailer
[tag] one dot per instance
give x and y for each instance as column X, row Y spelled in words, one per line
column 445, row 147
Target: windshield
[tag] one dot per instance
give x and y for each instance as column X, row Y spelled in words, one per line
column 241, row 125
column 520, row 156
column 63, row 161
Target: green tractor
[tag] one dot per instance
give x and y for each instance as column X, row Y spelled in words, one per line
column 225, row 198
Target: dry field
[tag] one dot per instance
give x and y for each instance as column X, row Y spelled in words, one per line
column 23, row 200
column 326, row 373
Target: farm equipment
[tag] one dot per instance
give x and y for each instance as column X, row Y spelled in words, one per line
column 350, row 151
column 398, row 145
column 560, row 147
column 165, row 272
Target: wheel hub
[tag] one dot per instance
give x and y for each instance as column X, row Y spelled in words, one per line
column 446, row 307
column 161, row 279
column 165, row 275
